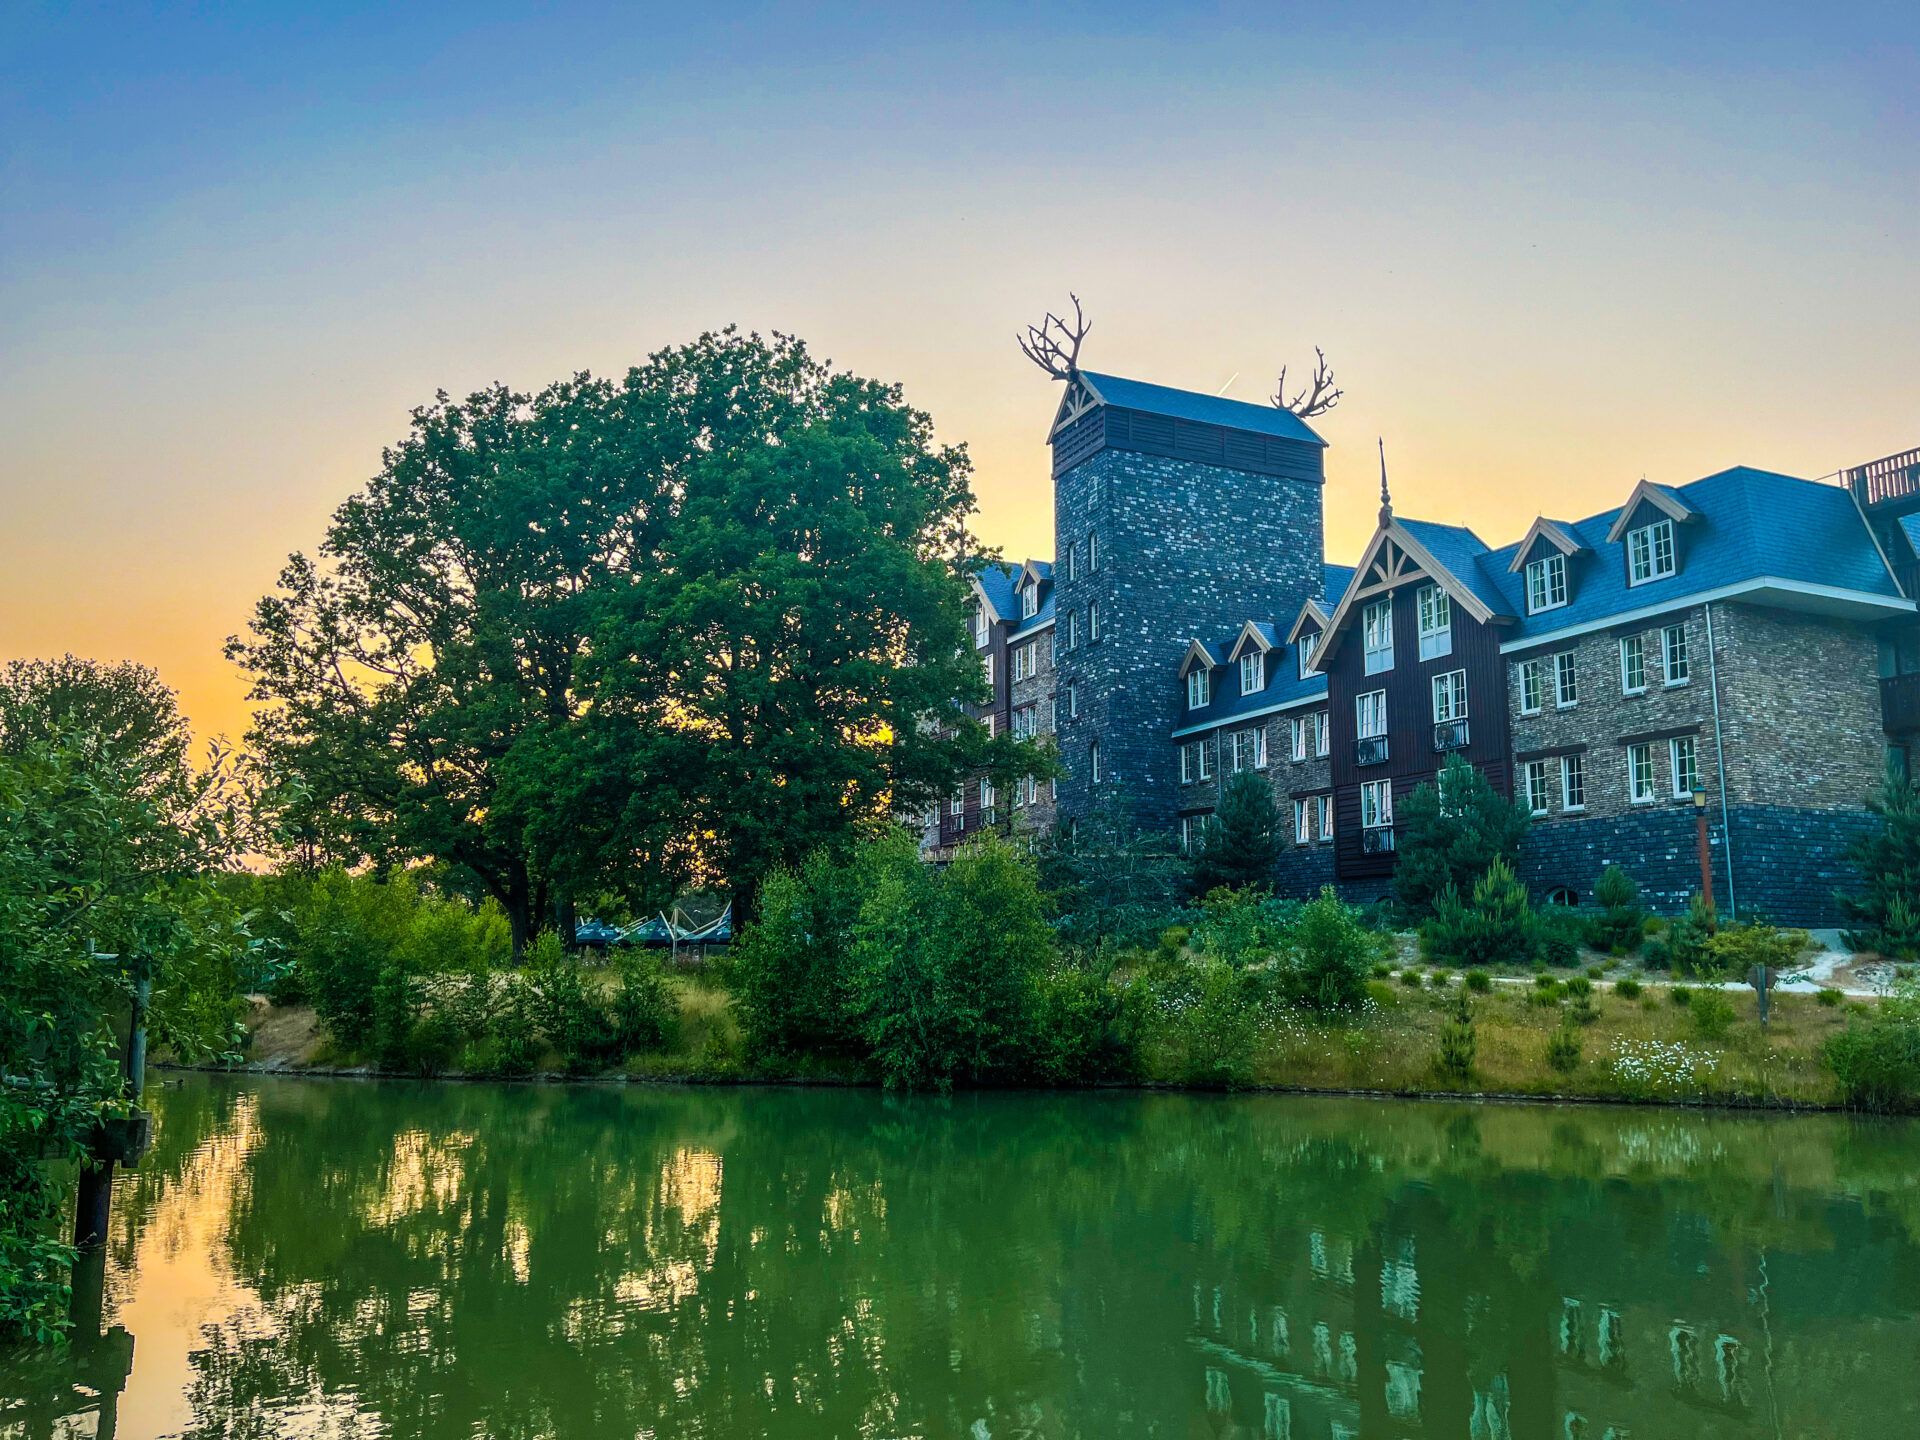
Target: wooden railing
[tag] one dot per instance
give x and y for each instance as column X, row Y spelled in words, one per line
column 1899, row 703
column 1890, row 481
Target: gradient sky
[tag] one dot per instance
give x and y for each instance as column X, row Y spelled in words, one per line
column 1547, row 254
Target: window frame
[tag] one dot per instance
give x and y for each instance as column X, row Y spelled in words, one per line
column 1380, row 792
column 1093, row 762
column 1302, row 830
column 1674, row 744
column 1323, row 816
column 1253, row 666
column 1093, row 621
column 1547, row 578
column 1635, row 754
column 1378, row 658
column 1539, row 799
column 1566, row 681
column 1362, row 705
column 1299, row 738
column 1669, row 635
column 1029, row 601
column 1530, row 680
column 1573, row 782
column 1199, row 688
column 1434, row 608
column 1259, row 733
column 1309, row 642
column 1093, row 551
column 1645, row 542
column 1455, row 682
column 1186, row 763
column 1633, row 656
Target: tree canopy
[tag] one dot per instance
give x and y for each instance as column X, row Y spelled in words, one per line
column 1240, row 844
column 1453, row 829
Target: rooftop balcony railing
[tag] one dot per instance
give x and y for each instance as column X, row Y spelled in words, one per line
column 1892, row 483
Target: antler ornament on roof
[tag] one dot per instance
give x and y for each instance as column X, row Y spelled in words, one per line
column 1320, row 396
column 1054, row 345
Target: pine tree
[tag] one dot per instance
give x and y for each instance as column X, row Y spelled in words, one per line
column 1886, row 912
column 1452, row 830
column 1241, row 846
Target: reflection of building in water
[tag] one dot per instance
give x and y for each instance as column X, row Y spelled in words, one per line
column 1407, row 1329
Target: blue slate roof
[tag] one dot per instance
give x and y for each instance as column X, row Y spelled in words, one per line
column 1464, row 555
column 1284, row 685
column 1752, row 524
column 997, row 581
column 1044, row 616
column 1207, row 409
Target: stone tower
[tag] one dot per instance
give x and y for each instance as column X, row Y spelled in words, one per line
column 1176, row 516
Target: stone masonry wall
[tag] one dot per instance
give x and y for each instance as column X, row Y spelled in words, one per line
column 1035, row 690
column 1186, row 549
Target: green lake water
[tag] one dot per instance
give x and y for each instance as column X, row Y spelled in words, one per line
column 336, row 1258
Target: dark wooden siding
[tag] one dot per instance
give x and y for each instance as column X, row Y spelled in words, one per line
column 1112, row 428
column 1409, row 687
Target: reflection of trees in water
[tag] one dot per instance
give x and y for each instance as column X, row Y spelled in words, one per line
column 523, row 1260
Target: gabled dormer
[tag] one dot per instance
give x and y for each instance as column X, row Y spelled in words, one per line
column 1652, row 529
column 1196, row 673
column 1249, row 656
column 1308, row 627
column 1548, row 556
column 1400, row 558
column 1029, row 589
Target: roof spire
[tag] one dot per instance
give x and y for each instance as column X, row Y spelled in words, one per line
column 1386, row 500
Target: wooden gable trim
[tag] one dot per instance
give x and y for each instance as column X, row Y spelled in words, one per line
column 1248, row 631
column 1079, row 398
column 1197, row 653
column 980, row 594
column 1393, row 558
column 1657, row 496
column 1309, row 611
column 1543, row 529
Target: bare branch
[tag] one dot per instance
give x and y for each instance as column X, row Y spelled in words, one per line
column 1054, row 345
column 1321, row 397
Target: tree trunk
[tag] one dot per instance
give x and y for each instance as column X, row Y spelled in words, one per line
column 565, row 917
column 518, row 906
column 746, row 894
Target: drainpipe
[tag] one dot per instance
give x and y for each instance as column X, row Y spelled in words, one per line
column 1720, row 764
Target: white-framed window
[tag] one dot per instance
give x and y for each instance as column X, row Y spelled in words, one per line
column 1208, row 754
column 1186, row 834
column 1253, row 672
column 1537, row 786
column 1073, row 702
column 1546, row 583
column 1566, row 684
column 982, row 626
column 1073, row 562
column 992, row 720
column 1530, row 693
column 1322, row 734
column 1650, row 552
column 1023, row 723
column 1640, row 774
column 1308, row 643
column 1376, row 804
column 1301, row 835
column 1093, row 550
column 1686, row 768
column 1249, row 751
column 1073, row 629
column 1633, row 665
column 958, row 804
column 1093, row 763
column 1376, row 632
column 987, row 660
column 1370, row 713
column 1093, row 620
column 1030, row 601
column 1259, row 741
column 1436, row 623
column 1187, row 763
column 1299, row 724
column 1199, row 687
column 987, row 796
column 1674, row 666
column 1573, row 783
column 1323, row 819
column 1450, row 696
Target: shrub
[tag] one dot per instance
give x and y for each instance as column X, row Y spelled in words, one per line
column 1680, row 995
column 1453, row 830
column 1830, row 998
column 1240, row 847
column 1737, row 949
column 1086, row 1030
column 1579, row 985
column 1381, row 994
column 1561, row 931
column 1454, row 1060
column 1329, row 956
column 1688, row 940
column 1440, row 979
column 1876, row 1063
column 1545, row 998
column 1215, row 1025
column 1627, row 988
column 1545, row 982
column 1479, row 980
column 1712, row 1014
column 1619, row 925
column 1582, row 1011
column 1563, row 1047
column 1647, row 1002
column 1594, row 972
column 1383, row 971
column 1497, row 926
column 791, row 973
column 1172, row 940
column 1411, row 979
column 646, row 1011
column 1885, row 915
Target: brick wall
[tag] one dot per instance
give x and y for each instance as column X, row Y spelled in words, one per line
column 1035, row 691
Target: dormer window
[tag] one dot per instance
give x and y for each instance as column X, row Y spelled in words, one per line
column 1650, row 552
column 1308, row 643
column 1253, row 672
column 1199, row 688
column 1030, row 601
column 1546, row 583
column 1436, row 623
column 1377, row 635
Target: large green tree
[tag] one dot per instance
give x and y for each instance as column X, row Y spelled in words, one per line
column 1452, row 829
column 696, row 622
column 1240, row 844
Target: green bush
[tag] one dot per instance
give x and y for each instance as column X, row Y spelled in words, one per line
column 1627, row 988
column 1689, row 938
column 1452, row 831
column 1876, row 1063
column 1884, row 915
column 1829, row 997
column 1383, row 971
column 1240, row 845
column 1595, row 972
column 1546, row 983
column 1479, row 980
column 1329, row 956
column 646, row 1011
column 1454, row 1060
column 1381, row 994
column 1680, row 995
column 1496, row 926
column 791, row 974
column 1583, row 1011
column 1086, row 1031
column 1563, row 1047
column 1411, row 979
column 1561, row 931
column 1579, row 985
column 1712, row 1014
column 1735, row 950
column 1620, row 924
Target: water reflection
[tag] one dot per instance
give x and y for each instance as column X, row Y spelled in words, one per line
column 329, row 1258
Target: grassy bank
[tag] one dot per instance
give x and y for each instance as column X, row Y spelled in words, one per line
column 1649, row 1047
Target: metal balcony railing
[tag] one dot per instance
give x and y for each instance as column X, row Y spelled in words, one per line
column 1893, row 482
column 1370, row 750
column 1376, row 842
column 1450, row 735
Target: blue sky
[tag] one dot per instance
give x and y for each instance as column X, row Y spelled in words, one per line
column 1547, row 253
